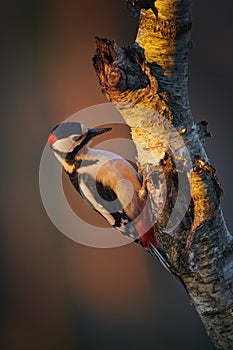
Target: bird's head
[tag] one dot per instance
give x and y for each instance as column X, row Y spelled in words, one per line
column 70, row 139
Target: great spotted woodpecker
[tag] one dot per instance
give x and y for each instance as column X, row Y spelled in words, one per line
column 108, row 183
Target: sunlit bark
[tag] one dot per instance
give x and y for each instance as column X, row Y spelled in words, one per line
column 148, row 84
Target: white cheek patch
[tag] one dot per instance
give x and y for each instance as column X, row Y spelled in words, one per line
column 66, row 144
column 63, row 145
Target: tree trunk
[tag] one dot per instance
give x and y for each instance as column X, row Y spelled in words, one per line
column 147, row 82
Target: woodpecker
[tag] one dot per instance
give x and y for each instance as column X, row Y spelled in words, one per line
column 108, row 183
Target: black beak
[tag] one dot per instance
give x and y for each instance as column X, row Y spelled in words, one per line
column 97, row 131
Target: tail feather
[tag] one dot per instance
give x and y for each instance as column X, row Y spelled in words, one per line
column 161, row 256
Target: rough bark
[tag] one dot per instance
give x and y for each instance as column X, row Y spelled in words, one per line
column 147, row 82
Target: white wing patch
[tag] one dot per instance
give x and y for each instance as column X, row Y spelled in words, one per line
column 88, row 195
column 63, row 145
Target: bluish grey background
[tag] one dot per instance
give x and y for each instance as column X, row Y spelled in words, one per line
column 57, row 294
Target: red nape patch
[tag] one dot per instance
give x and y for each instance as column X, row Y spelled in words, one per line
column 51, row 139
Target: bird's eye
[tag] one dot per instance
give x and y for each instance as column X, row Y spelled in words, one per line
column 75, row 138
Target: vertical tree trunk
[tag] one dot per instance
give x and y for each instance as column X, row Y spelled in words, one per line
column 148, row 84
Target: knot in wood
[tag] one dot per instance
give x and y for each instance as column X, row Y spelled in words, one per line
column 114, row 77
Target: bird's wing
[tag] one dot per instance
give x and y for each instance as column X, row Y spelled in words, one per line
column 104, row 200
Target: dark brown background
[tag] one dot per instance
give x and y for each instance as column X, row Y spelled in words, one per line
column 57, row 294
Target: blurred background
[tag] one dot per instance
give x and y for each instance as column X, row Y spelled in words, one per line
column 55, row 293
